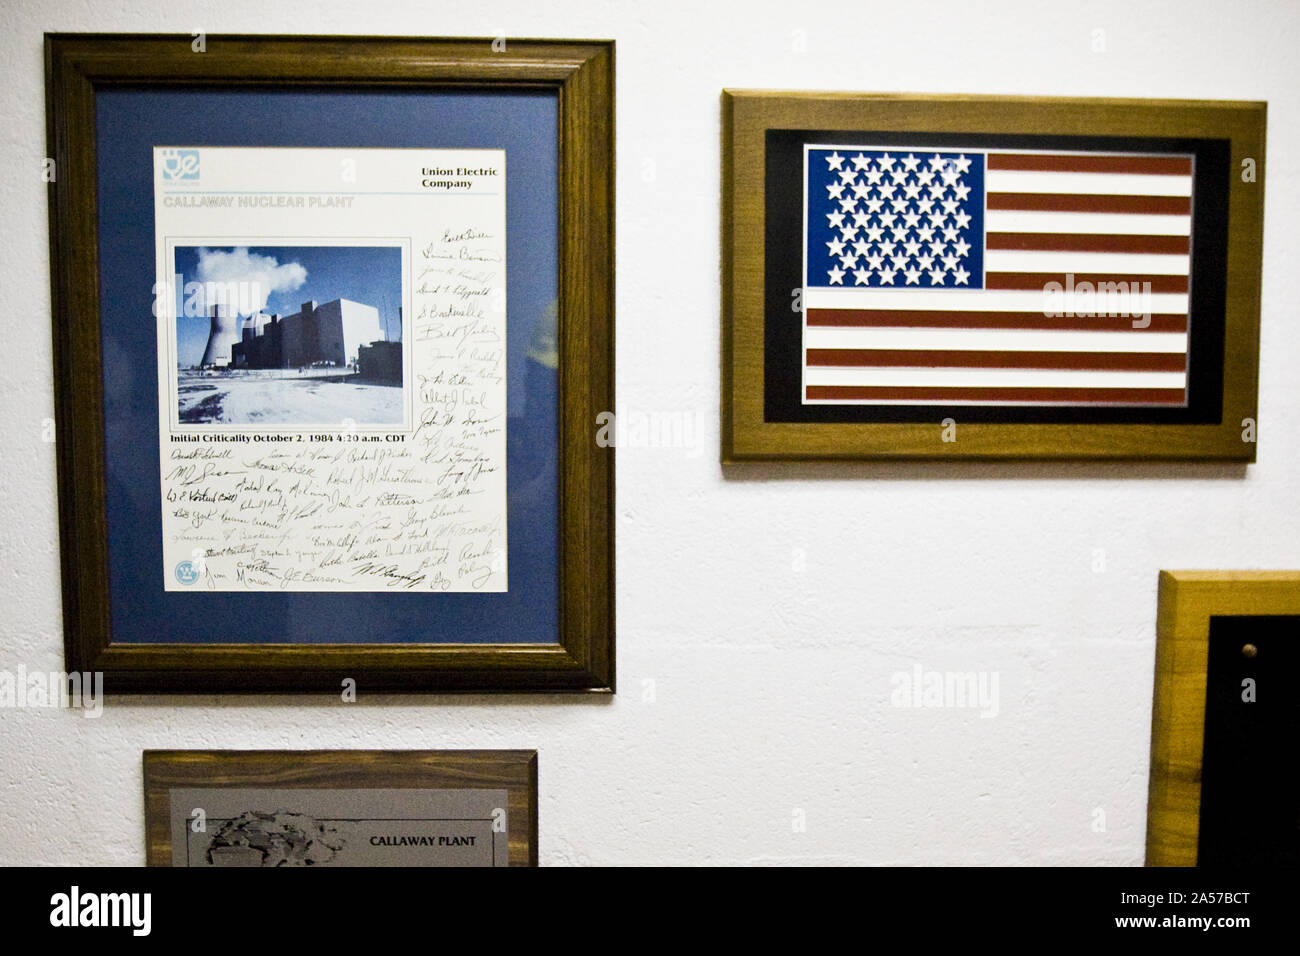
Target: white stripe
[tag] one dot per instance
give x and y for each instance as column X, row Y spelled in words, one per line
column 1088, row 184
column 990, row 378
column 978, row 300
column 1087, row 223
column 1090, row 403
column 994, row 340
column 1114, row 263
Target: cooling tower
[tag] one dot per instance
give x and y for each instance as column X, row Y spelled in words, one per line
column 223, row 333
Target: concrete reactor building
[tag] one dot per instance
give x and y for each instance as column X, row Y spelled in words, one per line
column 223, row 335
column 331, row 334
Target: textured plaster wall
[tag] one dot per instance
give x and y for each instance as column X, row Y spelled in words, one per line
column 761, row 614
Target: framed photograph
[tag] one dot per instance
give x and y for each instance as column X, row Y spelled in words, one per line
column 333, row 320
column 1224, row 719
column 340, row 807
column 938, row 277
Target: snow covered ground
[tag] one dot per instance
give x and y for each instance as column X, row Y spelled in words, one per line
column 315, row 397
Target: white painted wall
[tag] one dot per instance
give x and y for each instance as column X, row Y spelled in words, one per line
column 761, row 614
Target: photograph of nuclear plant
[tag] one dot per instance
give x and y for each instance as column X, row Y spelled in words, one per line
column 289, row 335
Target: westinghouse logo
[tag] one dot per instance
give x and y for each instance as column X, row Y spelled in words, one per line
column 187, row 572
column 180, row 164
column 75, row 908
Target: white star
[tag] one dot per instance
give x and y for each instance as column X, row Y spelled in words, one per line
column 962, row 163
column 875, row 261
column 887, row 248
column 950, row 262
column 950, row 206
column 899, row 176
column 926, row 233
column 836, row 218
column 913, row 276
column 887, row 219
column 846, row 176
column 960, row 277
column 925, row 205
column 898, row 205
column 875, row 232
column 963, row 220
column 861, row 277
column 911, row 162
column 962, row 191
column 875, row 205
column 950, row 175
column 887, row 191
column 899, row 233
column 847, row 204
column 936, row 249
column 861, row 189
column 873, row 176
column 925, row 261
column 936, row 277
column 912, row 190
column 886, row 162
column 837, row 276
column 834, row 161
column 836, row 246
column 861, row 247
column 887, row 276
column 925, row 177
column 936, row 220
column 861, row 219
column 913, row 247
column 861, row 162
column 950, row 233
column 937, row 162
column 847, row 232
column 835, row 190
column 912, row 219
column 962, row 247
column 900, row 262
column 848, row 260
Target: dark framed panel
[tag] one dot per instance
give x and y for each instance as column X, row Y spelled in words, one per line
column 1222, row 718
column 953, row 277
column 254, row 777
column 133, row 92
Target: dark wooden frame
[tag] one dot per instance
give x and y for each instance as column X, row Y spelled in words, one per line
column 1187, row 600
column 582, row 75
column 746, row 117
column 512, row 770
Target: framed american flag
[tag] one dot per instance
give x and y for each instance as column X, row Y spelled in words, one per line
column 990, row 277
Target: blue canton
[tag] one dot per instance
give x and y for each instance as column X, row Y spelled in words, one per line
column 902, row 219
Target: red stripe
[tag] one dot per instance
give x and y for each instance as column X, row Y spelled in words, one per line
column 977, row 358
column 1038, row 280
column 1070, row 242
column 1079, row 396
column 928, row 319
column 1160, row 165
column 1077, row 202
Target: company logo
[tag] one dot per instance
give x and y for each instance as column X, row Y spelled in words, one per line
column 187, row 572
column 130, row 910
column 180, row 164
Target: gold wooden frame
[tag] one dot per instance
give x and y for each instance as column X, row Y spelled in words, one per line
column 581, row 74
column 746, row 117
column 1187, row 601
